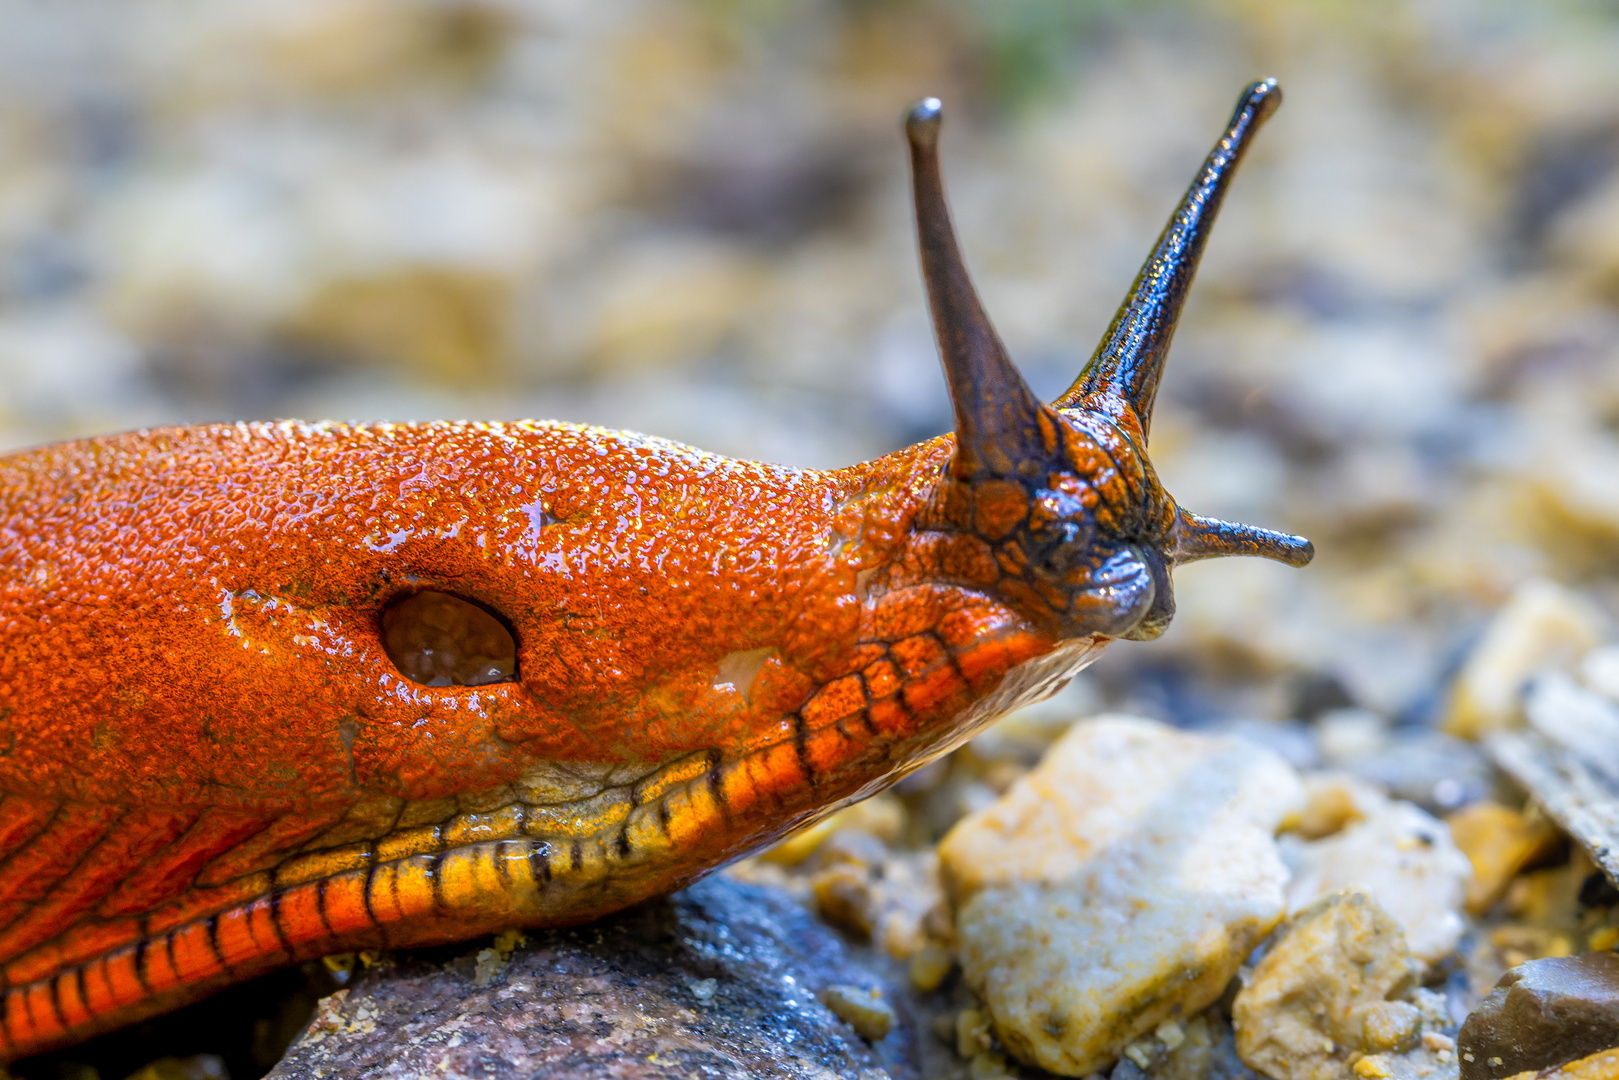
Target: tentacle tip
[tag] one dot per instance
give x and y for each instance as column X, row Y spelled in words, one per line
column 1263, row 96
column 922, row 121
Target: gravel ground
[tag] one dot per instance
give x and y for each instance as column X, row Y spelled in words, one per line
column 691, row 218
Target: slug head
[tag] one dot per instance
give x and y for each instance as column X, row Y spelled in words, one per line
column 1063, row 494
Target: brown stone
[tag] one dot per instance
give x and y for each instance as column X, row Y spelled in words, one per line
column 1542, row 1014
column 724, row 980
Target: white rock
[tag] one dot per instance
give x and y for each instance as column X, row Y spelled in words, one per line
column 1397, row 852
column 1119, row 884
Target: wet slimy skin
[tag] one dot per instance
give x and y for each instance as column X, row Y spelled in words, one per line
column 274, row 691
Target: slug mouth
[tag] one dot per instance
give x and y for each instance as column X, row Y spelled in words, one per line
column 1063, row 495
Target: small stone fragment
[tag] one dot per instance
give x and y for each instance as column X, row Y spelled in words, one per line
column 1399, row 853
column 1498, row 841
column 491, row 962
column 972, row 1033
column 1373, row 1067
column 1332, row 802
column 328, row 1016
column 1390, row 1025
column 1543, row 1013
column 874, row 893
column 929, row 965
column 988, row 1066
column 843, row 897
column 1543, row 625
column 1326, row 984
column 1118, row 885
column 488, row 967
column 862, row 1009
column 882, row 816
column 1190, row 1048
column 341, row 966
column 1438, row 1042
column 1602, row 1065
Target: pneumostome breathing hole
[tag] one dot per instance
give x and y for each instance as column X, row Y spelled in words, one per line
column 441, row 640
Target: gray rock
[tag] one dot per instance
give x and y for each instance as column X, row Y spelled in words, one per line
column 1541, row 1014
column 1573, row 792
column 722, row 980
column 1436, row 771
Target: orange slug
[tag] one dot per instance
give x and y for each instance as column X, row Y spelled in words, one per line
column 272, row 691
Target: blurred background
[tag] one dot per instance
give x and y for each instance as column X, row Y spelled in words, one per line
column 691, row 217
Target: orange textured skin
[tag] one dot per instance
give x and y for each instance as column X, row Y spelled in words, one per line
column 212, row 768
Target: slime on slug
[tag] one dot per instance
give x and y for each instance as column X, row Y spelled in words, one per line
column 274, row 691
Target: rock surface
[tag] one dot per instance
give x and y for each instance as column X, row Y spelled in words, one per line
column 722, row 980
column 1541, row 1014
column 1334, row 986
column 1401, row 855
column 1117, row 886
column 1572, row 791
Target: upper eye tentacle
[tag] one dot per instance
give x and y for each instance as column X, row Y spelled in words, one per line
column 998, row 418
column 1122, row 376
column 1057, row 507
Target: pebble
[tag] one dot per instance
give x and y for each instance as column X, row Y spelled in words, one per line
column 929, row 966
column 876, row 894
column 861, row 1008
column 882, row 816
column 1543, row 1013
column 1542, row 626
column 1332, row 802
column 1117, row 886
column 1179, row 1050
column 1498, row 841
column 1335, row 983
column 1398, row 853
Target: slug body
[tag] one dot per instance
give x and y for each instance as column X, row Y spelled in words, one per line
column 254, row 707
